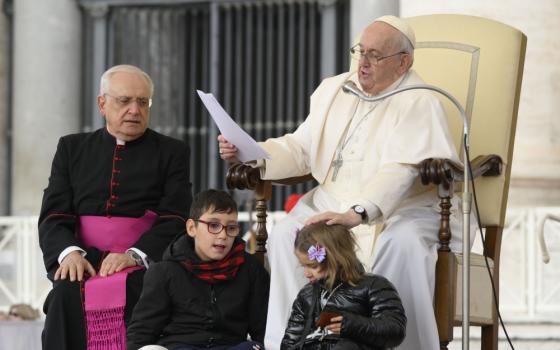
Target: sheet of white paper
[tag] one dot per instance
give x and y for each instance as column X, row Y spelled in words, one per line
column 247, row 146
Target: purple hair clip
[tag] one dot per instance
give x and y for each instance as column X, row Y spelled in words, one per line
column 316, row 252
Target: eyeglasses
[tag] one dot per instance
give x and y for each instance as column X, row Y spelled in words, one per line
column 216, row 227
column 357, row 53
column 123, row 101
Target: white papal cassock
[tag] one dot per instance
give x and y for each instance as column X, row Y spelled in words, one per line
column 382, row 143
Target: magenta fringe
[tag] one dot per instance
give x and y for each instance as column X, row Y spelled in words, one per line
column 106, row 329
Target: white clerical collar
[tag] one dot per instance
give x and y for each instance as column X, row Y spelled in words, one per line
column 396, row 84
column 119, row 141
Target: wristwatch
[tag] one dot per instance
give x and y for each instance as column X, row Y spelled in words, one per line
column 358, row 209
column 136, row 257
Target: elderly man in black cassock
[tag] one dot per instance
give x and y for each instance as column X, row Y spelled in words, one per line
column 116, row 198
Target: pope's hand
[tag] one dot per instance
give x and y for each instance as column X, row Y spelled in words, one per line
column 115, row 262
column 228, row 151
column 74, row 265
column 349, row 219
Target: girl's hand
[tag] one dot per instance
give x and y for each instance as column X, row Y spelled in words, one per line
column 336, row 325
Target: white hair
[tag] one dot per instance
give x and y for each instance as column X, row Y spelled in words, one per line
column 403, row 44
column 106, row 77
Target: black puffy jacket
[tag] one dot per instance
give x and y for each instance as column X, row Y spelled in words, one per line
column 177, row 309
column 373, row 316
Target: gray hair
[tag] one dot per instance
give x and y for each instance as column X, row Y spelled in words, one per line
column 106, row 77
column 403, row 44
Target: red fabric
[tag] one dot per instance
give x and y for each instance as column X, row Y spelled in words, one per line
column 292, row 201
column 217, row 271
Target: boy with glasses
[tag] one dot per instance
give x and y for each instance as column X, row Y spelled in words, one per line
column 207, row 292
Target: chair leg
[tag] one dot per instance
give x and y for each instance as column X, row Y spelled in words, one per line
column 489, row 337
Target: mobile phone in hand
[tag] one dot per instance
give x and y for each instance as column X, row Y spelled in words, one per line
column 325, row 318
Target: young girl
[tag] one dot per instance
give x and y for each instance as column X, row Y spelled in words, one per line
column 341, row 307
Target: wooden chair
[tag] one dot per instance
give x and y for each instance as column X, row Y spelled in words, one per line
column 480, row 62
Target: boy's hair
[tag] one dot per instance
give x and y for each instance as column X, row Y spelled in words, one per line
column 340, row 260
column 215, row 200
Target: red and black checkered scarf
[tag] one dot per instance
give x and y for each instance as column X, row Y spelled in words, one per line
column 218, row 271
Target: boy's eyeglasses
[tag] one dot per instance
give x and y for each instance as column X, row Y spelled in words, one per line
column 216, row 227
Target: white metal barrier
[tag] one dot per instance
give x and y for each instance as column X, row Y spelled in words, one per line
column 22, row 273
column 530, row 289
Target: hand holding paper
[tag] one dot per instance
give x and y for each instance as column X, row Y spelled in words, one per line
column 247, row 146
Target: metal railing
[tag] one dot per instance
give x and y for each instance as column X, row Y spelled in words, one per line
column 22, row 273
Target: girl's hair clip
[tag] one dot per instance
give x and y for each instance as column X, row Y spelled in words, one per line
column 316, row 252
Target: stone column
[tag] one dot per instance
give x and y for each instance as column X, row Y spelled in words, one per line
column 98, row 14
column 363, row 13
column 46, row 93
column 4, row 125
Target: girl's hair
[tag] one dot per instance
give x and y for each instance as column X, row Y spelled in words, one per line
column 340, row 259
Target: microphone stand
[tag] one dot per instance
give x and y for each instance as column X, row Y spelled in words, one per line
column 350, row 87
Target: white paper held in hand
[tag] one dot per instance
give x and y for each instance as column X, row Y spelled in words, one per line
column 247, row 146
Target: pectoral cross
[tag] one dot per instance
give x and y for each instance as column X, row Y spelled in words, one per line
column 336, row 164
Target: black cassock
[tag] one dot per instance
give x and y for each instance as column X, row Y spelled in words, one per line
column 92, row 175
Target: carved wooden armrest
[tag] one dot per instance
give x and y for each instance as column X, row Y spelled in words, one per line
column 244, row 177
column 443, row 173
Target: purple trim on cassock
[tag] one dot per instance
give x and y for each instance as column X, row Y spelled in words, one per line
column 105, row 297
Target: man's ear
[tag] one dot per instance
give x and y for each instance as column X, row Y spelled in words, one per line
column 191, row 227
column 101, row 100
column 406, row 62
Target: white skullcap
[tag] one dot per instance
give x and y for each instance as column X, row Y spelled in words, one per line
column 400, row 25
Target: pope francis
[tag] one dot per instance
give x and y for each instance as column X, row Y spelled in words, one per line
column 363, row 155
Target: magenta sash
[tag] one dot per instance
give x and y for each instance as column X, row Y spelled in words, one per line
column 105, row 297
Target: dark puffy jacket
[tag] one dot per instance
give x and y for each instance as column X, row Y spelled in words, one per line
column 373, row 316
column 177, row 309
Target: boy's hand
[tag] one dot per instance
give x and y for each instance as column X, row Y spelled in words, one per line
column 228, row 151
column 336, row 325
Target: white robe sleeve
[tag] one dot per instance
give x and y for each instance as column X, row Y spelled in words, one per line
column 417, row 131
column 290, row 154
column 386, row 190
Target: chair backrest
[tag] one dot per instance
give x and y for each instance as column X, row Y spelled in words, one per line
column 480, row 62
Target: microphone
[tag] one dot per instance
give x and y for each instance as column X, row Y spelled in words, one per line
column 350, row 87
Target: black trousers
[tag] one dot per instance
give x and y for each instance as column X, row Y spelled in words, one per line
column 342, row 344
column 65, row 328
